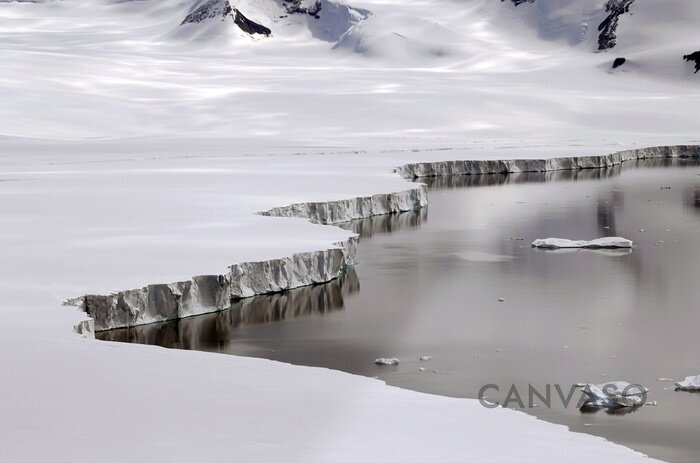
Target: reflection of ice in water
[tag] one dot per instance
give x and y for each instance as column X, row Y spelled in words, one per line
column 608, row 242
column 602, row 252
column 430, row 289
column 480, row 256
column 217, row 328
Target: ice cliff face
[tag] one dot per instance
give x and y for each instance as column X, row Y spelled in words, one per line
column 289, row 305
column 212, row 293
column 334, row 212
column 433, row 169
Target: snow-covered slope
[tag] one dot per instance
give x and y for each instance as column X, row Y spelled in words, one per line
column 654, row 35
column 219, row 20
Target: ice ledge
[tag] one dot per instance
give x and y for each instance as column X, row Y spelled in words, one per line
column 211, row 293
column 473, row 167
column 345, row 210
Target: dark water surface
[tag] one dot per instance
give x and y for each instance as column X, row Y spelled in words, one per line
column 429, row 283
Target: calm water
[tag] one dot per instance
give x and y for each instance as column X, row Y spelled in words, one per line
column 429, row 283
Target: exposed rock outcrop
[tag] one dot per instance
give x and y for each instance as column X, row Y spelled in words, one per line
column 618, row 62
column 248, row 26
column 303, row 7
column 212, row 9
column 608, row 28
column 520, row 2
column 694, row 57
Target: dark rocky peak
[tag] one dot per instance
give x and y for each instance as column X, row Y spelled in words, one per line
column 694, row 57
column 212, row 9
column 520, row 2
column 300, row 6
column 619, row 62
column 209, row 9
column 608, row 28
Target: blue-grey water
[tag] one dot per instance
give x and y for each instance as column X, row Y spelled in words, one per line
column 429, row 283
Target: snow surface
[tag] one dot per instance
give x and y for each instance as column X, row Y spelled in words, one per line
column 600, row 243
column 136, row 151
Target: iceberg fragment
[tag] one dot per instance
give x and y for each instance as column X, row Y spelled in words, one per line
column 690, row 383
column 614, row 394
column 608, row 242
column 387, row 361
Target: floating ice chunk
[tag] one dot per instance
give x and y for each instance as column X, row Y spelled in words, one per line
column 425, row 358
column 690, row 383
column 614, row 394
column 387, row 361
column 609, row 242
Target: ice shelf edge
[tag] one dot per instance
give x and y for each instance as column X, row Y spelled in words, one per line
column 211, row 293
column 474, row 167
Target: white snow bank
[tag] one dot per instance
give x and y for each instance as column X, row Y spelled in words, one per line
column 690, row 383
column 559, row 243
column 615, row 394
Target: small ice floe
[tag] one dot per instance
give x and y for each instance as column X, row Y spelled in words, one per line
column 614, row 394
column 690, row 383
column 421, row 369
column 609, row 242
column 387, row 361
column 425, row 358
